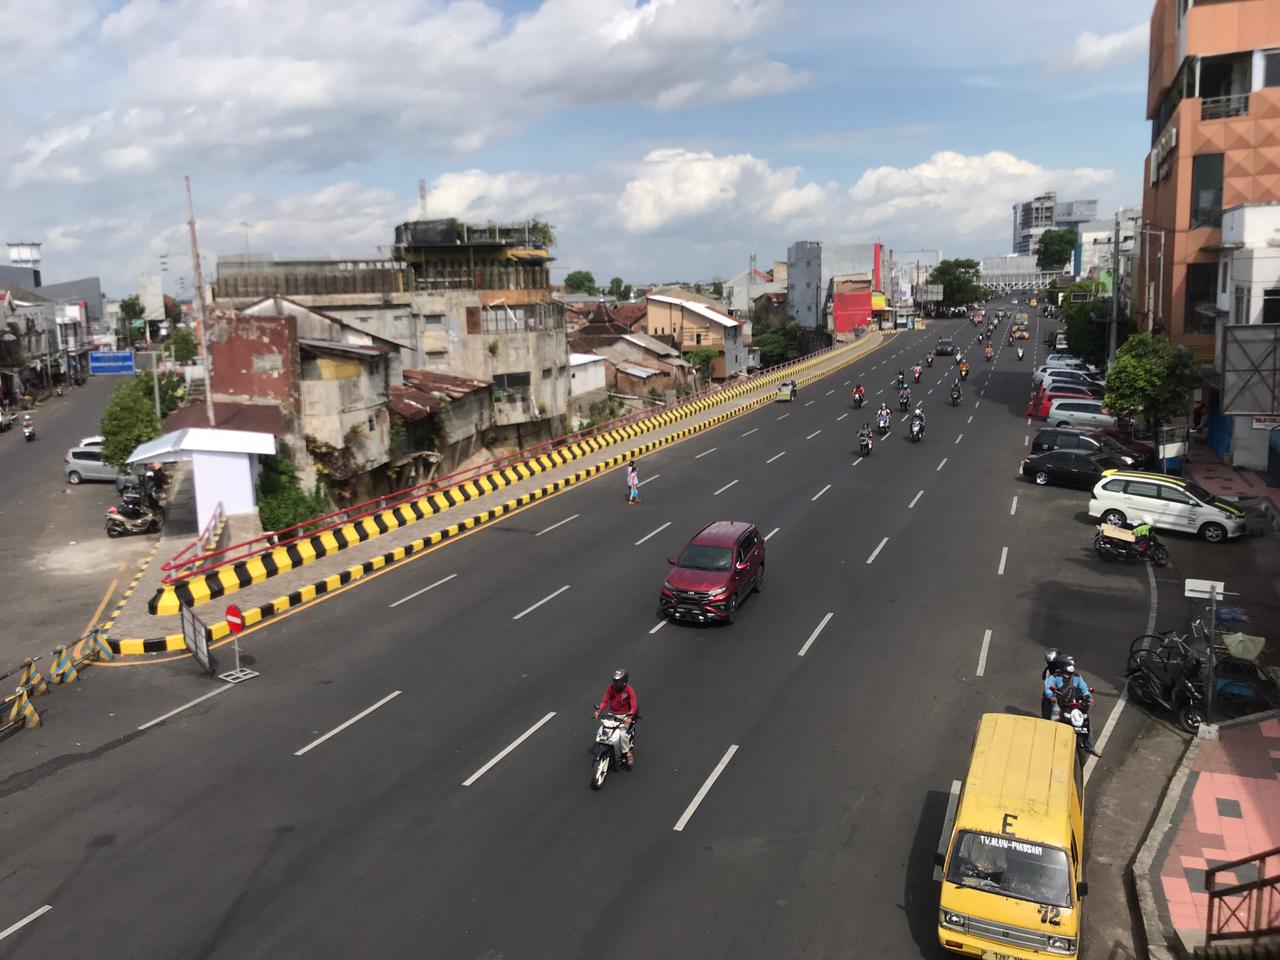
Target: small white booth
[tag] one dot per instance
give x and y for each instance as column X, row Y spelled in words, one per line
column 224, row 465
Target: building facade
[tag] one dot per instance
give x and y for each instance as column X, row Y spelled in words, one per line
column 1047, row 212
column 1213, row 99
column 691, row 326
column 804, row 283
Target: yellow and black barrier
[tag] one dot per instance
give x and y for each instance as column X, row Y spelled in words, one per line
column 238, row 575
column 175, row 642
column 31, row 678
column 22, row 713
column 63, row 668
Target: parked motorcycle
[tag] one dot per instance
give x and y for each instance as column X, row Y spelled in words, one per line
column 130, row 516
column 1111, row 547
column 607, row 752
column 1170, row 682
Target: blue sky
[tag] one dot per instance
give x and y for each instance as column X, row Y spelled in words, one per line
column 666, row 139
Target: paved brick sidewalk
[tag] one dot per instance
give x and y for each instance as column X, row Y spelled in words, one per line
column 135, row 630
column 1223, row 805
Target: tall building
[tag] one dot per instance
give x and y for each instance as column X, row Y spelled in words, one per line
column 1213, row 99
column 1045, row 212
column 804, row 283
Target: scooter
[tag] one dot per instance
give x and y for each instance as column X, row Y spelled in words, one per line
column 864, row 446
column 929, row 360
column 916, row 433
column 964, row 373
column 1073, row 710
column 904, row 403
column 857, row 401
column 883, row 426
column 28, row 430
column 915, row 373
column 1169, row 682
column 1113, row 548
column 132, row 517
column 1021, row 353
column 955, row 397
column 606, row 753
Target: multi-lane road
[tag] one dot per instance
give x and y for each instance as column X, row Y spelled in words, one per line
column 408, row 777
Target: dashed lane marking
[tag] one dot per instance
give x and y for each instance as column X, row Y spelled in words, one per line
column 941, row 465
column 342, row 726
column 705, row 789
column 554, row 525
column 771, row 533
column 1013, row 507
column 915, row 500
column 820, row 493
column 982, row 656
column 724, row 488
column 812, row 435
column 776, row 456
column 706, row 452
column 511, row 746
column 1004, row 555
column 653, row 534
column 751, row 431
column 418, row 593
column 814, row 636
column 876, row 552
column 546, row 599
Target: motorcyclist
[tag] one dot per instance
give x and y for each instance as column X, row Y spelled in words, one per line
column 1020, row 351
column 1067, row 677
column 929, row 358
column 956, row 393
column 915, row 373
column 988, row 350
column 917, row 419
column 902, row 379
column 1053, row 664
column 1143, row 534
column 620, row 698
column 858, row 392
column 904, row 396
column 883, row 415
column 864, row 435
column 964, row 370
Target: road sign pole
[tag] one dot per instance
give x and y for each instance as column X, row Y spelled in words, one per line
column 235, row 622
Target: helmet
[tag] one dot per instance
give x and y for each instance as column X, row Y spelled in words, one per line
column 1067, row 662
column 918, row 413
column 1050, row 656
column 620, row 679
column 1148, row 521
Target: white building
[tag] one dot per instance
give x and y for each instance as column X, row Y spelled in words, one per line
column 586, row 374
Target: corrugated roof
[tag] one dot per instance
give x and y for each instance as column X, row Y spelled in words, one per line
column 646, row 342
column 254, row 417
column 424, row 392
column 203, row 440
column 699, row 308
column 360, row 351
column 644, row 373
column 578, row 359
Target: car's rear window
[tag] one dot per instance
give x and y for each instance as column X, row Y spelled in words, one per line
column 699, row 557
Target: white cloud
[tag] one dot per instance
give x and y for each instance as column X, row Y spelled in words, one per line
column 1093, row 51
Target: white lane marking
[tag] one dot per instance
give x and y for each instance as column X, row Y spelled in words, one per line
column 876, row 552
column 705, row 452
column 1013, row 507
column 830, row 392
column 776, row 456
column 880, row 391
column 724, row 488
column 649, row 479
column 554, row 525
column 841, row 417
column 751, row 431
column 948, row 824
column 820, row 493
column 941, row 465
column 1153, row 607
column 970, row 420
column 1026, row 437
column 511, row 746
column 959, row 438
column 812, row 435
column 34, row 915
column 931, row 389
column 1004, row 555
column 784, row 416
column 858, row 461
column 342, row 726
column 653, row 534
column 771, row 533
column 418, row 593
column 977, row 404
column 847, row 382
column 982, row 656
column 914, row 500
column 185, row 706
column 814, row 636
column 529, row 610
column 705, row 789
column 811, row 403
column 904, row 418
column 660, row 624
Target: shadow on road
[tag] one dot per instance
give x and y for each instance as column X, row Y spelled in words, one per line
column 920, row 891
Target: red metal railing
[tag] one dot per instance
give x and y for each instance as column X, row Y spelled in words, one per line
column 181, row 566
column 1244, row 911
column 205, row 541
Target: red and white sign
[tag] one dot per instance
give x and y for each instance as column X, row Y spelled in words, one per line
column 235, row 619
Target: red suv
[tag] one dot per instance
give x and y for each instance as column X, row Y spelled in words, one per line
column 721, row 565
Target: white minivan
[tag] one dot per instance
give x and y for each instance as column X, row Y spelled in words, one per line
column 1126, row 496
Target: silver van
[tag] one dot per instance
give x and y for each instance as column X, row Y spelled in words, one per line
column 86, row 463
column 1079, row 412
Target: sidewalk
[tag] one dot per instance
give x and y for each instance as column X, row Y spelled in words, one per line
column 1223, row 804
column 1203, row 467
column 135, row 630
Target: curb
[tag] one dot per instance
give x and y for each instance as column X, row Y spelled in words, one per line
column 128, row 591
column 174, row 642
column 204, row 588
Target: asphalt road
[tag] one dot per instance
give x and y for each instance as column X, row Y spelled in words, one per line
column 320, row 809
column 52, row 535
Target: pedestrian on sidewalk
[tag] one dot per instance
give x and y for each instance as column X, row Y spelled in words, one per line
column 633, row 482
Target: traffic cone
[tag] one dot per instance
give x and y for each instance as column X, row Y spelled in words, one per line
column 95, row 647
column 32, row 678
column 24, row 711
column 63, row 669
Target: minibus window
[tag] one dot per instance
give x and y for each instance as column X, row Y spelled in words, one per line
column 1011, row 868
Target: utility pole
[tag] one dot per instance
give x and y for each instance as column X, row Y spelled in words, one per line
column 199, row 305
column 1112, row 333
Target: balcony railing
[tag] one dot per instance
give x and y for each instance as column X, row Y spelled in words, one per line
column 1221, row 108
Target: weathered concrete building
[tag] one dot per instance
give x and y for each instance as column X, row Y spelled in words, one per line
column 693, row 326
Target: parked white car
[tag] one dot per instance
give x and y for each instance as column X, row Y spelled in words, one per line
column 1126, row 496
column 1067, row 360
column 1069, row 374
column 1079, row 412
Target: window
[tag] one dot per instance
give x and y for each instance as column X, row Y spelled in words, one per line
column 1224, row 275
column 1139, row 488
column 1271, row 306
column 1202, row 298
column 546, row 373
column 697, row 338
column 92, row 456
column 1271, row 69
column 1114, row 486
column 1206, row 190
column 433, row 319
column 1241, row 314
column 435, row 356
column 1174, row 495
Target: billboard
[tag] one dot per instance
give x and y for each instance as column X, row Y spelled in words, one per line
column 928, row 293
column 1251, row 369
column 111, row 361
column 151, row 293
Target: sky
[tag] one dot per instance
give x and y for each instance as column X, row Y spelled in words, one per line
column 664, row 139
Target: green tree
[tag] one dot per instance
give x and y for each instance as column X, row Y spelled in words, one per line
column 619, row 290
column 1085, row 322
column 717, row 289
column 959, row 279
column 281, row 500
column 703, row 359
column 172, row 310
column 183, row 344
column 131, row 312
column 1056, row 249
column 1152, row 378
column 777, row 342
column 128, row 420
column 580, row 281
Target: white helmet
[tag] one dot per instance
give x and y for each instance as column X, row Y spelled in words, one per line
column 1148, row 521
column 918, row 413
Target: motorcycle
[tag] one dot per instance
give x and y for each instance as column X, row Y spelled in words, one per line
column 857, row 401
column 1169, row 682
column 28, row 432
column 132, row 517
column 916, row 433
column 864, row 446
column 964, row 373
column 1073, row 710
column 904, row 403
column 1110, row 546
column 1021, row 353
column 606, row 753
column 929, row 360
column 955, row 398
column 988, row 353
column 883, row 425
column 916, row 374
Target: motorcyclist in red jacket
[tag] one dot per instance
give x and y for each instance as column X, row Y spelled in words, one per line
column 620, row 698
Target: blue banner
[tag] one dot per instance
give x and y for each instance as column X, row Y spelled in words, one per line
column 111, row 361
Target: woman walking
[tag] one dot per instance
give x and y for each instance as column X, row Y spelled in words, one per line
column 633, row 483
